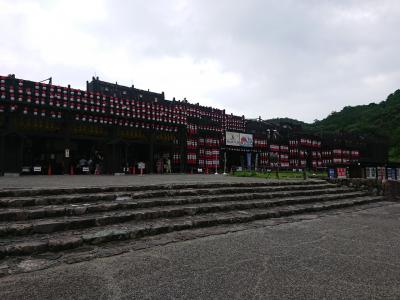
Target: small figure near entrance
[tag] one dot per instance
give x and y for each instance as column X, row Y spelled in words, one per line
column 98, row 161
column 141, row 166
column 83, row 162
column 168, row 166
column 82, row 166
column 159, row 166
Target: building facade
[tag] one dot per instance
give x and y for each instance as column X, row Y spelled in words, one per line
column 109, row 128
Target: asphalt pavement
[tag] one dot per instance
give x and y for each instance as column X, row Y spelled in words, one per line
column 67, row 181
column 352, row 255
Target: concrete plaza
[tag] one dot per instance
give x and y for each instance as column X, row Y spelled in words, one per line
column 352, row 254
column 67, row 181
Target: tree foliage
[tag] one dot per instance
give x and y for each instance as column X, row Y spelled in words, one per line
column 375, row 119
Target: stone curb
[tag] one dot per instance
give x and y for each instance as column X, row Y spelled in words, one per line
column 88, row 190
column 164, row 226
column 50, row 226
column 20, row 214
column 65, row 199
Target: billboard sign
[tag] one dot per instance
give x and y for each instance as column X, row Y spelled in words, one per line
column 246, row 140
column 238, row 139
column 232, row 138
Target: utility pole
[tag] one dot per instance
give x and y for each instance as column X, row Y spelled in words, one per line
column 225, row 163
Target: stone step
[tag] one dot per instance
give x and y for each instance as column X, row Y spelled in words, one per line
column 114, row 189
column 131, row 202
column 135, row 229
column 50, row 225
column 88, row 198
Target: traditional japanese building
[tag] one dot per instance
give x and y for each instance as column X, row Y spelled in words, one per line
column 110, row 128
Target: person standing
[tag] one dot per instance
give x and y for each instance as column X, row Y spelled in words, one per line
column 168, row 165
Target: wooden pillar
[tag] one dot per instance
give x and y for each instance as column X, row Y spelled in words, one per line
column 182, row 163
column 126, row 155
column 67, row 151
column 67, row 144
column 110, row 146
column 20, row 154
column 67, row 160
column 113, row 159
column 2, row 154
column 131, row 151
column 151, row 154
column 182, row 148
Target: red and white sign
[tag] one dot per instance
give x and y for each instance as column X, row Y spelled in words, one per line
column 341, row 172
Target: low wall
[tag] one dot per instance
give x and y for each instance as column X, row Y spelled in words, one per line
column 387, row 188
column 392, row 189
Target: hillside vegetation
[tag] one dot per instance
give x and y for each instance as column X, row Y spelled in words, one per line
column 375, row 119
column 382, row 119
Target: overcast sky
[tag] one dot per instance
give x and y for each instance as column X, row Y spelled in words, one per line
column 298, row 59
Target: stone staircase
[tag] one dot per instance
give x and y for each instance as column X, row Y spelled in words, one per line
column 36, row 221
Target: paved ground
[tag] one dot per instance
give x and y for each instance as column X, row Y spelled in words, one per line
column 105, row 180
column 343, row 256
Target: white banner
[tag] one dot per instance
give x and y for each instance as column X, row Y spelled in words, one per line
column 239, row 139
column 232, row 138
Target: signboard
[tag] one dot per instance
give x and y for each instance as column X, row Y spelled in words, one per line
column 26, row 169
column 341, row 172
column 381, row 173
column 391, row 173
column 232, row 138
column 238, row 139
column 67, row 153
column 370, row 173
column 246, row 140
column 331, row 173
column 37, row 169
column 141, row 166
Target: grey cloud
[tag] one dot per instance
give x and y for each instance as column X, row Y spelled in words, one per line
column 300, row 59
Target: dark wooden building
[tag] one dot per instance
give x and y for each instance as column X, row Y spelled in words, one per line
column 110, row 128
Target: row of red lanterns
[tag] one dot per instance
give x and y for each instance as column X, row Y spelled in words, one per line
column 124, row 122
column 209, row 163
column 96, row 109
column 260, row 143
column 171, row 112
